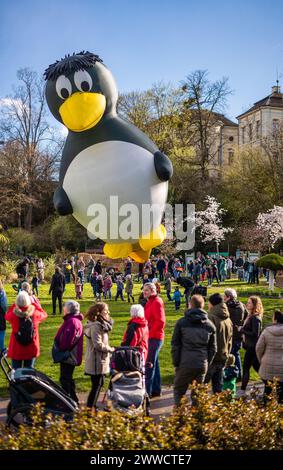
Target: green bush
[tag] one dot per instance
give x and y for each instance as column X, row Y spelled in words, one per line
column 20, row 238
column 215, row 423
column 49, row 264
column 8, row 270
column 271, row 261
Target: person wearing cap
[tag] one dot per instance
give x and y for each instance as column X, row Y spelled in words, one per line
column 24, row 355
column 70, row 338
column 136, row 334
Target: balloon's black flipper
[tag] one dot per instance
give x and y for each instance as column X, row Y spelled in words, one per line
column 62, row 202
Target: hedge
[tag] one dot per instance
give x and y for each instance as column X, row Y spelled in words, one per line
column 216, row 423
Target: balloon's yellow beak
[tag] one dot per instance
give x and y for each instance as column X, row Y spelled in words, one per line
column 82, row 110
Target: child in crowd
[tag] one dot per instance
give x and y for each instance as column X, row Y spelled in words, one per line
column 157, row 285
column 93, row 282
column 120, row 288
column 168, row 285
column 78, row 288
column 230, row 375
column 129, row 288
column 145, row 279
column 99, row 287
column 107, row 285
column 35, row 284
column 81, row 276
column 177, row 298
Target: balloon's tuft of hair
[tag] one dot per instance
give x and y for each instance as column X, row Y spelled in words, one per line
column 71, row 63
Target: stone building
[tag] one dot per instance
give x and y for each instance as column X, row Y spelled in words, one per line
column 262, row 119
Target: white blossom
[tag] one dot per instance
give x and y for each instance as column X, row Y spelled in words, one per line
column 209, row 221
column 270, row 223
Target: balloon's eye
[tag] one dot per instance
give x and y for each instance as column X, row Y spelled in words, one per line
column 83, row 80
column 63, row 87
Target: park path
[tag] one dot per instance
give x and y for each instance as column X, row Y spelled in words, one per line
column 159, row 406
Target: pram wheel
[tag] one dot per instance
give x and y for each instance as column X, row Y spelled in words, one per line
column 18, row 416
column 146, row 406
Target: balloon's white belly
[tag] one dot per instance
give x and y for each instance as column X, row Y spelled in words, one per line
column 114, row 171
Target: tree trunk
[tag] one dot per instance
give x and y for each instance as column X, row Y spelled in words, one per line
column 271, row 280
column 28, row 219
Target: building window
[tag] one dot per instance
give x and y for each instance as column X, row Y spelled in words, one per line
column 231, row 138
column 275, row 126
column 243, row 134
column 257, row 129
column 250, row 132
column 230, row 156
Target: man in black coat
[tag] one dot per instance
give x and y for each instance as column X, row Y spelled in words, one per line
column 188, row 285
column 57, row 288
column 238, row 313
column 193, row 347
column 161, row 265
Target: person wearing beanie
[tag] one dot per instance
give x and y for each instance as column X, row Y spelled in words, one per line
column 230, row 375
column 155, row 316
column 136, row 334
column 69, row 337
column 218, row 313
column 24, row 317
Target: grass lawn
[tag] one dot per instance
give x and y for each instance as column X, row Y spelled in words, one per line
column 120, row 313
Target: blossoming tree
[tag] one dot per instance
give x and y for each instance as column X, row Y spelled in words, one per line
column 210, row 223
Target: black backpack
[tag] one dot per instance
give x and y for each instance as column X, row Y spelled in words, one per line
column 26, row 331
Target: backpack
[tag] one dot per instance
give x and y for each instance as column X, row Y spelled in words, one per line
column 25, row 334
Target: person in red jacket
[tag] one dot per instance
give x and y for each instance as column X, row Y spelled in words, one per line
column 136, row 334
column 24, row 355
column 155, row 316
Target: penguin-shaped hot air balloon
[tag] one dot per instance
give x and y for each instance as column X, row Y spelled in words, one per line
column 105, row 158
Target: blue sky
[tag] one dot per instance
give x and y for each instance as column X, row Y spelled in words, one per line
column 144, row 41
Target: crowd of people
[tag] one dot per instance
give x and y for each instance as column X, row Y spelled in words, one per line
column 205, row 346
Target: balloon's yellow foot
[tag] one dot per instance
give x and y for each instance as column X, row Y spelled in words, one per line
column 153, row 239
column 117, row 250
column 140, row 256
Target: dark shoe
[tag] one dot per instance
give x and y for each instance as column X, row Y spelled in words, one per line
column 156, row 395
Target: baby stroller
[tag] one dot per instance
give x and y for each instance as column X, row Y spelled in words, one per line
column 127, row 392
column 28, row 387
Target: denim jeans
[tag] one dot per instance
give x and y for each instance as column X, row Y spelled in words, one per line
column 2, row 340
column 18, row 364
column 236, row 346
column 152, row 370
column 215, row 374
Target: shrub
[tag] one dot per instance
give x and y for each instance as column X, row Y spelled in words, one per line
column 216, row 423
column 21, row 239
column 49, row 264
column 271, row 261
column 8, row 270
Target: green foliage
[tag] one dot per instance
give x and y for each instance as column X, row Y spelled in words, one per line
column 49, row 267
column 216, row 422
column 8, row 270
column 20, row 238
column 66, row 232
column 271, row 261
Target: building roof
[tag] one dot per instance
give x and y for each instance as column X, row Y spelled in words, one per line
column 274, row 100
column 225, row 120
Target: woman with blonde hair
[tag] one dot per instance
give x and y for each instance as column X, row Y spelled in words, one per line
column 251, row 330
column 98, row 350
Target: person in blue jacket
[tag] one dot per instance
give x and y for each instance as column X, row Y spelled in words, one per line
column 177, row 298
